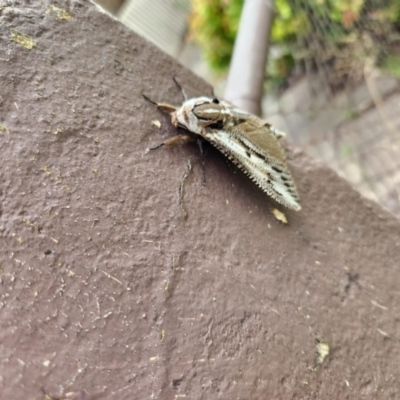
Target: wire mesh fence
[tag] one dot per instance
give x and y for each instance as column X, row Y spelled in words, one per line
column 351, row 49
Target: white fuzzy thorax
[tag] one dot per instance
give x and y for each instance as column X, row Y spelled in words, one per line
column 187, row 118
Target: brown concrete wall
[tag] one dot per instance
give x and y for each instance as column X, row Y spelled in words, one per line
column 107, row 292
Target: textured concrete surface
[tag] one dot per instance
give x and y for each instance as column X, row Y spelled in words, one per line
column 107, row 292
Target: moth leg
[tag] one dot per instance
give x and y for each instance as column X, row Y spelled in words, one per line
column 180, row 87
column 200, row 143
column 167, row 108
column 174, row 140
column 230, row 165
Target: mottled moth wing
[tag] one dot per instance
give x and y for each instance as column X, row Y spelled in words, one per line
column 255, row 149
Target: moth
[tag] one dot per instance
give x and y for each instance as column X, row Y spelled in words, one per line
column 248, row 141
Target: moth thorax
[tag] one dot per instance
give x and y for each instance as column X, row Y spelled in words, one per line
column 184, row 117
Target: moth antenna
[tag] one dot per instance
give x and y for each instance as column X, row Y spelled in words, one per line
column 157, row 147
column 150, row 101
column 180, row 87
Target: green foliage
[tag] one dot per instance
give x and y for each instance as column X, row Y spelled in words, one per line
column 288, row 23
column 214, row 25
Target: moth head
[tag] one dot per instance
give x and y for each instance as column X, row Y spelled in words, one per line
column 198, row 113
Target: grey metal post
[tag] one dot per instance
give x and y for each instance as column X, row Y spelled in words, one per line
column 246, row 74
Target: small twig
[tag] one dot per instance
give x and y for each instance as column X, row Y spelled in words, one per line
column 202, row 154
column 110, row 276
column 183, row 179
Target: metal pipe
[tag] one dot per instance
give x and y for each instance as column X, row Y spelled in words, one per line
column 247, row 70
